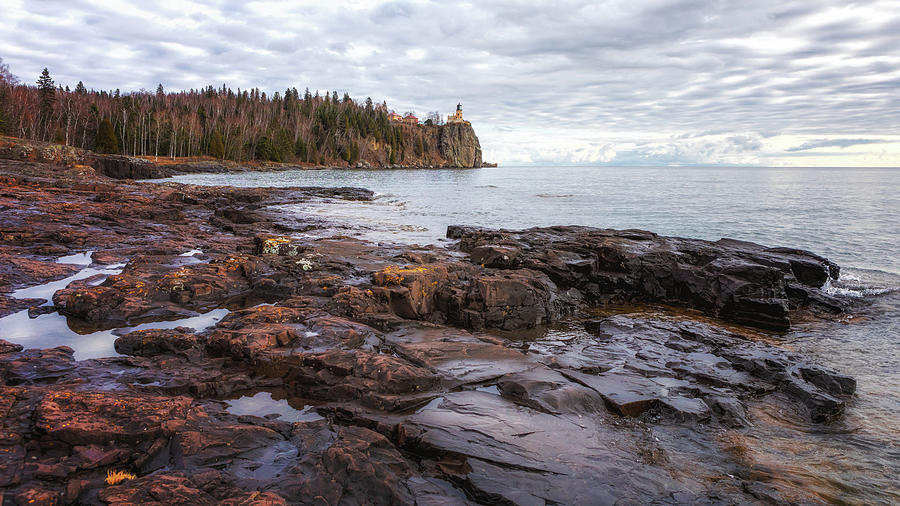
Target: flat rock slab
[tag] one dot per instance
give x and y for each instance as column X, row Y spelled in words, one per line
column 628, row 394
column 465, row 362
column 524, row 456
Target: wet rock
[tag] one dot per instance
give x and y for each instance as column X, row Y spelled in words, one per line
column 8, row 347
column 149, row 290
column 376, row 380
column 690, row 370
column 491, row 255
column 830, row 381
column 248, row 333
column 734, row 280
column 511, row 300
column 350, row 466
column 241, row 215
column 410, row 291
column 123, row 167
column 17, row 270
column 206, row 488
column 504, row 450
column 464, row 362
column 627, row 394
column 549, row 391
column 85, row 418
column 152, row 342
column 36, row 366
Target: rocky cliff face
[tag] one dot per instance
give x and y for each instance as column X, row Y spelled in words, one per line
column 459, row 145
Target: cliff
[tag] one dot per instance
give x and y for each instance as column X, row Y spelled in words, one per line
column 458, row 144
column 414, row 146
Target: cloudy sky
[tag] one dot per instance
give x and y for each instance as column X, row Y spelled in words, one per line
column 590, row 82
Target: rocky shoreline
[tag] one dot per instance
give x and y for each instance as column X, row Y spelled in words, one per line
column 481, row 373
column 130, row 167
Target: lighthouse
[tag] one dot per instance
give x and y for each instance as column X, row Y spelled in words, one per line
column 457, row 116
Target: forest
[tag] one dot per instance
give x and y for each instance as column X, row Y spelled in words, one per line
column 239, row 125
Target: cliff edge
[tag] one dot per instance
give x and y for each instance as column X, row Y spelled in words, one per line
column 458, row 144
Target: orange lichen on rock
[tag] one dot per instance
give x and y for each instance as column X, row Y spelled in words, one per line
column 393, row 275
column 116, row 477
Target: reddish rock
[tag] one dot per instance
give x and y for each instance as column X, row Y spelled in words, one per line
column 206, row 488
column 18, row 271
column 358, row 466
column 85, row 418
column 156, row 341
column 8, row 347
column 37, row 366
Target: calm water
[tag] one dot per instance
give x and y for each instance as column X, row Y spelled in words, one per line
column 849, row 215
column 852, row 216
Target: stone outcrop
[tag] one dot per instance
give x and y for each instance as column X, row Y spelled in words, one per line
column 458, row 144
column 124, row 167
column 734, row 280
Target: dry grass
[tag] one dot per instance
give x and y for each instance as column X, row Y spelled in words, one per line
column 116, row 477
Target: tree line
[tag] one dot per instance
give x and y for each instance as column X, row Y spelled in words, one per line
column 237, row 125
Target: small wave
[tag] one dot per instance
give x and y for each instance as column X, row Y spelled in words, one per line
column 554, row 195
column 487, row 186
column 836, row 291
column 849, row 285
column 412, row 228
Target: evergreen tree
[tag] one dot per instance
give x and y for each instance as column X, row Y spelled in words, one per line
column 265, row 150
column 80, row 89
column 107, row 140
column 160, row 93
column 216, row 145
column 354, row 153
column 47, row 91
column 46, row 85
column 300, row 150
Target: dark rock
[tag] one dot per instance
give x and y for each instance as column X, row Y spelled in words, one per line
column 733, row 280
column 123, row 167
column 8, row 347
column 37, row 366
column 148, row 343
column 549, row 391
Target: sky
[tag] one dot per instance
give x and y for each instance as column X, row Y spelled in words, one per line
column 615, row 82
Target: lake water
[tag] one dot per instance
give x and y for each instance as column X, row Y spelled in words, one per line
column 851, row 216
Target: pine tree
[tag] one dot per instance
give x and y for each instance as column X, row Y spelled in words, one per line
column 216, row 145
column 300, row 150
column 107, row 140
column 80, row 89
column 47, row 91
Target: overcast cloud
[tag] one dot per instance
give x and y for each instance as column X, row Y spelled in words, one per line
column 617, row 82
